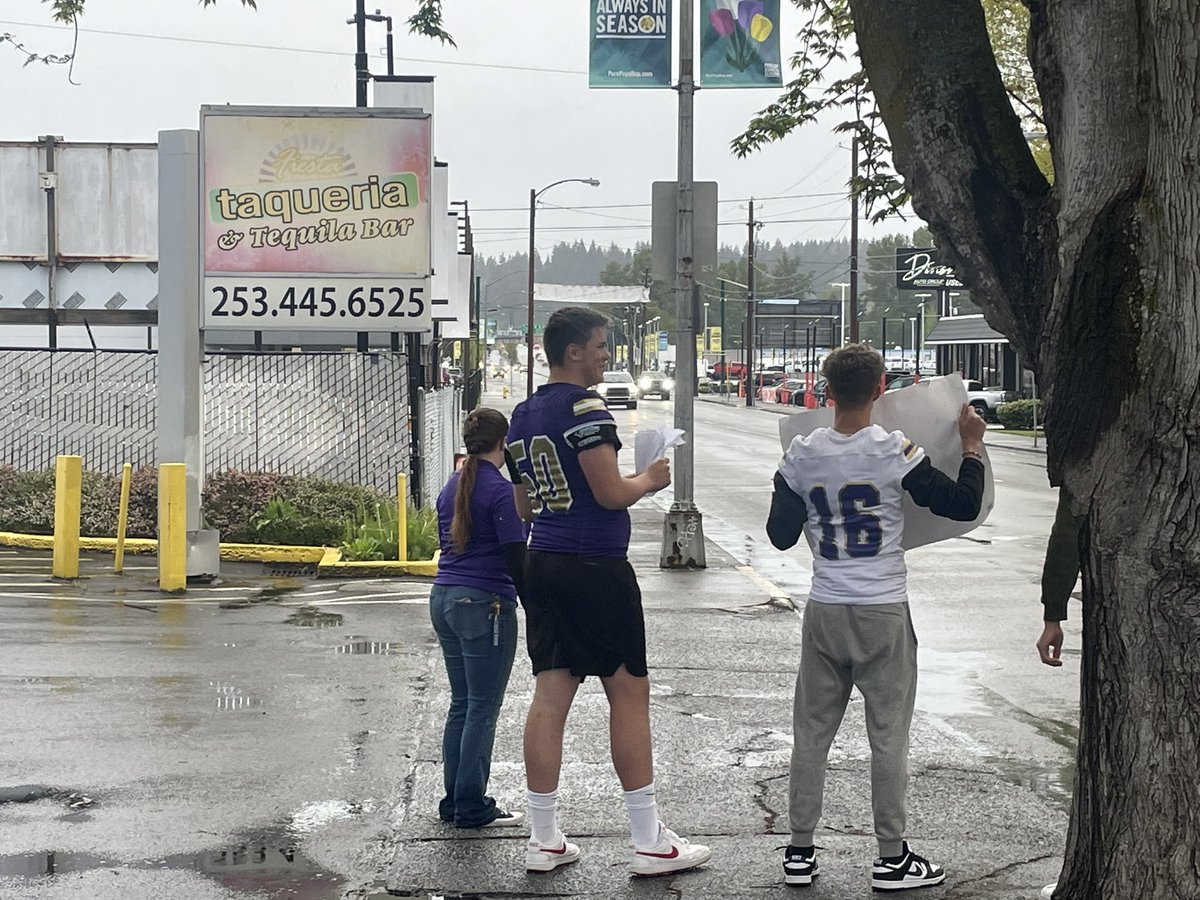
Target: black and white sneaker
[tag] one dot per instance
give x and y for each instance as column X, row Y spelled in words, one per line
column 505, row 819
column 904, row 872
column 799, row 865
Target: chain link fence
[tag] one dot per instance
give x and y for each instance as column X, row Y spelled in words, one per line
column 439, row 437
column 341, row 416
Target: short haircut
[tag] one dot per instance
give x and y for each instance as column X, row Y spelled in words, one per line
column 570, row 325
column 853, row 372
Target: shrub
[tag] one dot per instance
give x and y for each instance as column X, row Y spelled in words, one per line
column 374, row 533
column 1019, row 414
column 233, row 502
column 246, row 507
column 27, row 501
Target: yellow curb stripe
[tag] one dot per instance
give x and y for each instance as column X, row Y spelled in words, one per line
column 328, row 559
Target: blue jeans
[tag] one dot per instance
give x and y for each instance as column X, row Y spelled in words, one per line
column 478, row 646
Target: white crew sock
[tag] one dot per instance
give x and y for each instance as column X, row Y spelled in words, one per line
column 543, row 816
column 643, row 816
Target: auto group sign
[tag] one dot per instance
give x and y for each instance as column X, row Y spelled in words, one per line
column 315, row 219
column 919, row 269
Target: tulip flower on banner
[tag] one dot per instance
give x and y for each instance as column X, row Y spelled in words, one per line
column 744, row 25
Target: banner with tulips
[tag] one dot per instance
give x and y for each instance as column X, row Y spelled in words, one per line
column 739, row 44
column 630, row 44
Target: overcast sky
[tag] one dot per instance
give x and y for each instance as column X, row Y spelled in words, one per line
column 513, row 108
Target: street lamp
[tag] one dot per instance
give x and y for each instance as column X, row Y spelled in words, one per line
column 921, row 298
column 843, row 285
column 533, row 198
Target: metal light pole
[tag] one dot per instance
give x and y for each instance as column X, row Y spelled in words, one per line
column 533, row 198
column 921, row 344
column 683, row 531
column 842, row 285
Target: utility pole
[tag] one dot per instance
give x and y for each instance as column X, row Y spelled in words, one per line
column 683, row 531
column 750, row 304
column 362, row 74
column 853, row 240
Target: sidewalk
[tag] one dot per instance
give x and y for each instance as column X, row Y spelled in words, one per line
column 723, row 662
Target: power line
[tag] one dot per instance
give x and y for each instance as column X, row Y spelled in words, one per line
column 524, row 229
column 278, row 49
column 525, row 209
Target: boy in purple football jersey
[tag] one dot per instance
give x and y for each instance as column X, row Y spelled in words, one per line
column 582, row 603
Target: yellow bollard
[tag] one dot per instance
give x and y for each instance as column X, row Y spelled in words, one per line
column 123, row 518
column 402, row 517
column 172, row 527
column 68, row 490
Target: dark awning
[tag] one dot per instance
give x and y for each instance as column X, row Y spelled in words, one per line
column 963, row 330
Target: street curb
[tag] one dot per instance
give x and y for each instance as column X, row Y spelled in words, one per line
column 328, row 559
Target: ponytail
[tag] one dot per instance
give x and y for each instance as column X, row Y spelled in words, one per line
column 483, row 431
column 460, row 525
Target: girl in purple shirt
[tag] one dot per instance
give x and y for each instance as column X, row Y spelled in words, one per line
column 473, row 606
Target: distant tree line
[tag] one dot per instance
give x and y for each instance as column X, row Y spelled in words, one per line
column 799, row 270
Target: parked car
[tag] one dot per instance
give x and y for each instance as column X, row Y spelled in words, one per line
column 656, row 383
column 618, row 388
column 786, row 393
column 902, row 381
column 732, row 369
column 796, row 397
column 720, row 386
column 987, row 400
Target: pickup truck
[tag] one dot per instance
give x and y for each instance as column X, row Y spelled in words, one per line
column 987, row 400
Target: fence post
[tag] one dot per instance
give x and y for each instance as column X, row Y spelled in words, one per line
column 172, row 527
column 402, row 517
column 123, row 518
column 68, row 490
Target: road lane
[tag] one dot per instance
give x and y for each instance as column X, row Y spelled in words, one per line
column 974, row 599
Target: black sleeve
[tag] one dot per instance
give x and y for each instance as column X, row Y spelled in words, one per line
column 514, row 474
column 785, row 523
column 1061, row 568
column 514, row 558
column 941, row 495
column 587, row 435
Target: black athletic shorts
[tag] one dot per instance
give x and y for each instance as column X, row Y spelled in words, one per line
column 584, row 614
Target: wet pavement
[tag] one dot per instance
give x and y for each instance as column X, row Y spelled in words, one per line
column 276, row 736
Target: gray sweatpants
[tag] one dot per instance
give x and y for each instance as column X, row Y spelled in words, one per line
column 874, row 648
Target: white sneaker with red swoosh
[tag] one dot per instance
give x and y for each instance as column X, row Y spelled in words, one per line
column 671, row 854
column 547, row 857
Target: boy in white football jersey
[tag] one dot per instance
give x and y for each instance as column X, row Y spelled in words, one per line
column 842, row 487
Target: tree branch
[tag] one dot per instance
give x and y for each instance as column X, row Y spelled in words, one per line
column 959, row 145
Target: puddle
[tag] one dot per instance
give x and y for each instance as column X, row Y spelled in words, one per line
column 945, row 686
column 311, row 617
column 264, row 595
column 363, row 647
column 1053, row 783
column 269, row 864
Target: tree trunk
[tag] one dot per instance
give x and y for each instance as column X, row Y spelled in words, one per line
column 1097, row 281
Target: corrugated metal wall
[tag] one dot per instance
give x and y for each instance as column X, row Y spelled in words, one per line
column 106, row 201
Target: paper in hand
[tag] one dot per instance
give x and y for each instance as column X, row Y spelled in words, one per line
column 650, row 444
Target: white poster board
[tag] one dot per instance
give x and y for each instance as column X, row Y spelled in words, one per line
column 927, row 413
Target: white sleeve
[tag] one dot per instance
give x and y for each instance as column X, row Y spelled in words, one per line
column 790, row 467
column 907, row 454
